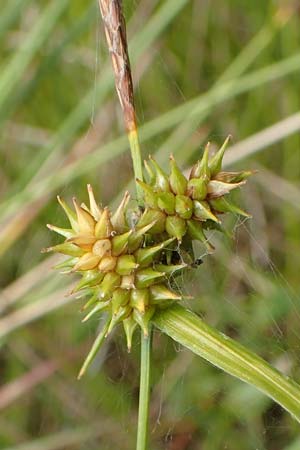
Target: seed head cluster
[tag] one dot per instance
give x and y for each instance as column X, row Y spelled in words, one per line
column 127, row 265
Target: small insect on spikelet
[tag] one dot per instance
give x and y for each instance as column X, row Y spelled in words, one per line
column 120, row 273
column 189, row 206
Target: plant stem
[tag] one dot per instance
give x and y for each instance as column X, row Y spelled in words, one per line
column 189, row 330
column 142, row 432
column 137, row 162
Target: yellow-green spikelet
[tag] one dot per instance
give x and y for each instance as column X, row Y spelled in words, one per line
column 119, row 274
column 186, row 206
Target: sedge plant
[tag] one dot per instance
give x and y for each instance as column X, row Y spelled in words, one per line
column 129, row 258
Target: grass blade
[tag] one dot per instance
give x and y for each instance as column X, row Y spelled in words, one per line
column 223, row 352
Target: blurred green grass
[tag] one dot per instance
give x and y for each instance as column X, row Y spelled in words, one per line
column 202, row 69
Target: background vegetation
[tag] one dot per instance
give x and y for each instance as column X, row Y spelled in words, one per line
column 202, row 69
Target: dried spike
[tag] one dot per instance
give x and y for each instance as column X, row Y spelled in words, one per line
column 215, row 164
column 118, row 219
column 85, row 220
column 177, row 180
column 101, row 306
column 66, row 248
column 115, row 32
column 149, row 195
column 104, row 228
column 161, row 179
column 176, row 226
column 217, row 188
column 120, row 243
column 94, row 350
column 87, row 261
column 129, row 325
column 69, row 213
column 145, row 256
column 94, row 207
column 65, row 232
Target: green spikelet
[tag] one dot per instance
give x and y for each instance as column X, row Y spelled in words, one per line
column 150, row 173
column 203, row 212
column 150, row 216
column 118, row 219
column 103, row 228
column 178, row 182
column 89, row 278
column 69, row 213
column 161, row 182
column 66, row 249
column 120, row 298
column 110, row 282
column 139, row 299
column 120, row 243
column 147, row 277
column 201, row 168
column 150, row 197
column 166, row 202
column 184, row 206
column 196, row 232
column 159, row 293
column 65, row 232
column 122, row 313
column 197, row 188
column 144, row 319
column 100, row 306
column 223, row 205
column 126, row 264
column 176, row 226
column 145, row 256
column 129, row 325
column 215, row 164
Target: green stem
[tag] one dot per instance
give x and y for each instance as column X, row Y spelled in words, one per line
column 137, row 162
column 142, row 432
column 189, row 330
